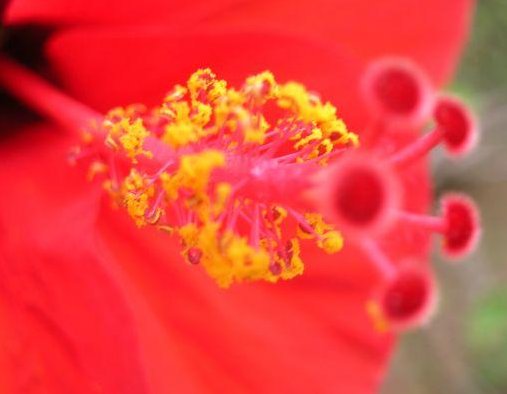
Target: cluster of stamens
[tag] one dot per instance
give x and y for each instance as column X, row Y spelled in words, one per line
column 244, row 176
column 226, row 170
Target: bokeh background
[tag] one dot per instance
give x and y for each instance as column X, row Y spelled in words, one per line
column 464, row 348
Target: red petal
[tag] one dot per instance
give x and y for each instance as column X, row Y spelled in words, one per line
column 312, row 334
column 63, row 12
column 68, row 326
column 3, row 5
column 432, row 35
column 141, row 65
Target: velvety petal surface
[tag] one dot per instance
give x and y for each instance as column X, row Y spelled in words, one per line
column 64, row 326
column 123, row 69
column 431, row 34
column 81, row 12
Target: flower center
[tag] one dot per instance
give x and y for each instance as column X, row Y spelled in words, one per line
column 207, row 166
column 360, row 196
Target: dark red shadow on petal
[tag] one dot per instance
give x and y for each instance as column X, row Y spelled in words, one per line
column 431, row 35
column 65, row 13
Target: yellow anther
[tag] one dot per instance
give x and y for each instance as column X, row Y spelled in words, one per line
column 177, row 111
column 181, row 130
column 136, row 196
column 317, row 222
column 331, row 242
column 196, row 169
column 217, row 90
column 295, row 265
column 380, row 323
column 201, row 113
column 274, row 217
column 228, row 258
column 137, row 205
column 176, row 94
column 97, row 167
column 155, row 216
column 189, row 234
column 328, row 238
column 261, row 86
column 204, row 86
column 112, row 191
column 280, row 214
column 310, row 109
column 135, row 181
column 180, row 134
column 111, row 143
column 255, row 132
column 87, row 137
column 315, row 135
column 326, row 146
column 188, row 189
column 171, row 185
column 247, row 263
column 130, row 134
column 222, row 192
column 165, row 228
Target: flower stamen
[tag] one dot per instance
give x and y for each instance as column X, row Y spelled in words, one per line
column 234, row 187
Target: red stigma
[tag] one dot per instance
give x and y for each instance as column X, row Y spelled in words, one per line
column 462, row 225
column 457, row 125
column 397, row 89
column 408, row 299
column 361, row 194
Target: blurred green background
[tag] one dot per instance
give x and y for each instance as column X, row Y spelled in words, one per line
column 464, row 348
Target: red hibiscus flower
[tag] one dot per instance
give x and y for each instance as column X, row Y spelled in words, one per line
column 91, row 303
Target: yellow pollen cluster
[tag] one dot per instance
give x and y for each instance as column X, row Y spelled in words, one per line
column 328, row 238
column 228, row 257
column 130, row 133
column 380, row 322
column 329, row 129
column 136, row 195
column 195, row 179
